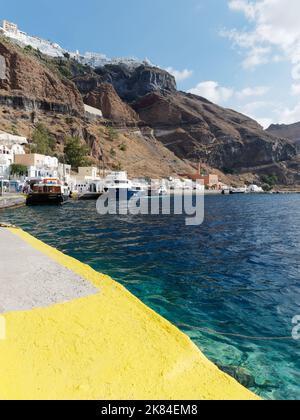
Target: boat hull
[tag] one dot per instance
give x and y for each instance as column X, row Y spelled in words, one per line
column 45, row 199
column 89, row 196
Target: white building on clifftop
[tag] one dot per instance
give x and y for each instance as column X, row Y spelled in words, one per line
column 9, row 27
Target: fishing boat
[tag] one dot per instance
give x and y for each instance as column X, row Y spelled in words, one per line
column 118, row 186
column 49, row 191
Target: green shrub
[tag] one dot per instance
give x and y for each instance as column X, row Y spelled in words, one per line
column 112, row 152
column 17, row 169
column 123, row 147
column 75, row 152
column 270, row 180
column 112, row 134
column 43, row 142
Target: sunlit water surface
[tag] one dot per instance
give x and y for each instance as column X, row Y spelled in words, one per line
column 238, row 273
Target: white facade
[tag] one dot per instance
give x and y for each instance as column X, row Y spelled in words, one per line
column 9, row 27
column 54, row 50
column 10, row 146
column 46, row 168
column 92, row 113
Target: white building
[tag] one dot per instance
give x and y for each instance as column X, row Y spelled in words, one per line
column 92, row 113
column 10, row 146
column 41, row 166
column 9, row 27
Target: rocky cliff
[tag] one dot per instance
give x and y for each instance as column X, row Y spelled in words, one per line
column 193, row 128
column 288, row 131
column 131, row 84
column 104, row 97
column 196, row 129
column 161, row 131
column 26, row 83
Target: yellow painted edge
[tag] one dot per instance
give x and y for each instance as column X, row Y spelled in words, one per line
column 222, row 383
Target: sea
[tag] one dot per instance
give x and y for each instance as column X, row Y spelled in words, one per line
column 232, row 284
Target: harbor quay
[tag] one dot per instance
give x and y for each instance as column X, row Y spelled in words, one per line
column 69, row 332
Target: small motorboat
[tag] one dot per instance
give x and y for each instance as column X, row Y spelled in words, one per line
column 49, row 191
column 118, row 186
column 242, row 190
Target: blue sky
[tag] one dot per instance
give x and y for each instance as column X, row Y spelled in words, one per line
column 222, row 49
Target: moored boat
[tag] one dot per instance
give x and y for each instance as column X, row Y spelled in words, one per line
column 49, row 191
column 118, row 186
column 242, row 190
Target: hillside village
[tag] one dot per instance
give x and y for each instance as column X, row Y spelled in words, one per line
column 147, row 128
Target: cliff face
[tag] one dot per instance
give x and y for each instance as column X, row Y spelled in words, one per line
column 196, row 129
column 27, row 84
column 131, row 84
column 104, row 97
column 291, row 132
column 178, row 130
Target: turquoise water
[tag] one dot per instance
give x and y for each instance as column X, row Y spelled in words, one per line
column 238, row 273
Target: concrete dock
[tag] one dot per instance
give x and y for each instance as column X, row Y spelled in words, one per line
column 12, row 200
column 73, row 333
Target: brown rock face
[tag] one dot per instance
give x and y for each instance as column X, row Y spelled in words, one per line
column 288, row 131
column 27, row 84
column 105, row 98
column 195, row 129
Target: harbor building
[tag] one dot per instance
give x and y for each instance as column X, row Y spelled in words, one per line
column 10, row 146
column 41, row 166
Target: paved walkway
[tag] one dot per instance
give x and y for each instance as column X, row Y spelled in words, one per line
column 83, row 336
column 12, row 200
column 29, row 279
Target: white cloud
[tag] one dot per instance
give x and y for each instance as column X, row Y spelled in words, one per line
column 243, row 6
column 253, row 91
column 267, row 113
column 216, row 93
column 213, row 91
column 289, row 115
column 295, row 89
column 180, row 75
column 275, row 32
column 256, row 109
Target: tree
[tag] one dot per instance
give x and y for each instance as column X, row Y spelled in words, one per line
column 17, row 169
column 43, row 143
column 75, row 152
column 270, row 180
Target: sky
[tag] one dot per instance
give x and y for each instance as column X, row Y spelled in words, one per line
column 241, row 54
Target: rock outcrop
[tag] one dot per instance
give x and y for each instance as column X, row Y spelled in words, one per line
column 27, row 84
column 133, row 83
column 104, row 97
column 198, row 130
column 288, row 131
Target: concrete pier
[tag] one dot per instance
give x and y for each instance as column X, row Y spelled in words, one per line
column 12, row 200
column 73, row 333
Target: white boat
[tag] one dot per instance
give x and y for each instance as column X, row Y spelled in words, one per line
column 241, row 190
column 119, row 186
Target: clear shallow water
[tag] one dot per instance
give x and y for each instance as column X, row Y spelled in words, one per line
column 238, row 273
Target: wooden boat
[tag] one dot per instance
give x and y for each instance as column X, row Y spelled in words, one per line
column 49, row 191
